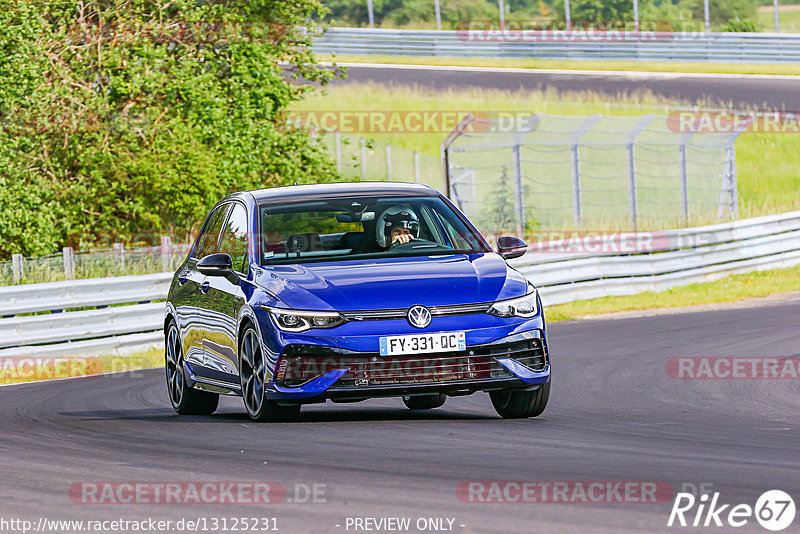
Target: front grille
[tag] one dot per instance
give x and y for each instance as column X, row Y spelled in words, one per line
column 301, row 363
column 400, row 313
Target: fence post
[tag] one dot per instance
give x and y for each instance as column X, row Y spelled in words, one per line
column 119, row 248
column 438, row 13
column 416, row 166
column 632, row 186
column 728, row 189
column 363, row 143
column 69, row 263
column 684, row 184
column 338, row 151
column 632, row 192
column 775, row 15
column 166, row 252
column 444, row 151
column 576, row 184
column 16, row 266
column 388, row 162
column 577, row 210
column 519, row 205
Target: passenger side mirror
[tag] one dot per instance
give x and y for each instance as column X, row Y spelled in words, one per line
column 511, row 247
column 219, row 264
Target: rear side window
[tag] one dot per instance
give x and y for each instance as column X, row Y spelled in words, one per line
column 234, row 239
column 209, row 239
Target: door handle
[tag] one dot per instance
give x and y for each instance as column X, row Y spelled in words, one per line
column 204, row 287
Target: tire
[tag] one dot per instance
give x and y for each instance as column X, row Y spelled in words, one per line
column 185, row 400
column 424, row 402
column 252, row 375
column 521, row 404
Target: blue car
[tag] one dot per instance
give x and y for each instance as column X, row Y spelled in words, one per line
column 346, row 292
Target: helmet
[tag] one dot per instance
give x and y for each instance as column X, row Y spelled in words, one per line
column 395, row 216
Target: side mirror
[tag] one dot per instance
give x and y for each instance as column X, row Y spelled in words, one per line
column 511, row 247
column 219, row 264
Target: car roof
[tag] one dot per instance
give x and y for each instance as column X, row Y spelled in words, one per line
column 339, row 189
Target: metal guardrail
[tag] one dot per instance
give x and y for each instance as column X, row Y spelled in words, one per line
column 677, row 46
column 672, row 258
column 677, row 257
column 92, row 292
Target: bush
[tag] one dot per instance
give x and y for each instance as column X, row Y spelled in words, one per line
column 747, row 25
column 125, row 117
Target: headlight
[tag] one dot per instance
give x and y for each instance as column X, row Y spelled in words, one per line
column 301, row 320
column 526, row 306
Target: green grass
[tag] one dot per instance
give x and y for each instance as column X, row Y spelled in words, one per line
column 789, row 18
column 766, row 163
column 14, row 371
column 733, row 288
column 532, row 63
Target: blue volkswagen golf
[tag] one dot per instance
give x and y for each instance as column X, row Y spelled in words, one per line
column 346, row 292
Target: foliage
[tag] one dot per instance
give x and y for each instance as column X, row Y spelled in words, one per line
column 134, row 117
column 746, row 25
column 722, row 11
column 498, row 212
column 394, row 13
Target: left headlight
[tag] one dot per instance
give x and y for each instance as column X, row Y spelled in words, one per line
column 525, row 307
column 302, row 320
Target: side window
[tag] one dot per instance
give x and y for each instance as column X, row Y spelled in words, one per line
column 207, row 242
column 234, row 238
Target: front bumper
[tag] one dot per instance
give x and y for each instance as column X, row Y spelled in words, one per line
column 312, row 373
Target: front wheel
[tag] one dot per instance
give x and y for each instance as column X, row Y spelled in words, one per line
column 521, row 404
column 185, row 400
column 253, row 376
column 424, row 402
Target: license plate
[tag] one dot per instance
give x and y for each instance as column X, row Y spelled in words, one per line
column 423, row 343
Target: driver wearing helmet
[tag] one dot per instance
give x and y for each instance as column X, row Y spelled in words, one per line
column 396, row 226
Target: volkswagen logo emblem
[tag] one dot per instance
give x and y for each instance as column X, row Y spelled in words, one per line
column 419, row 316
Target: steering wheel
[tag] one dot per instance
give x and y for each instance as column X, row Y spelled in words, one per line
column 411, row 244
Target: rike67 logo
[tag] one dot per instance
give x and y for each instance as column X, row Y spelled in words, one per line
column 774, row 510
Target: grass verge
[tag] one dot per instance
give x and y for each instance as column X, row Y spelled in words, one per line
column 575, row 64
column 733, row 288
column 32, row 369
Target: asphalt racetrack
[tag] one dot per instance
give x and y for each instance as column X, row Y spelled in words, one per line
column 743, row 92
column 615, row 414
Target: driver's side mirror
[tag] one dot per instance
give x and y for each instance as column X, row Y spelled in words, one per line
column 511, row 247
column 219, row 264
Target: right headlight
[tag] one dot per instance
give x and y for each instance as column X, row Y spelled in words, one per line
column 525, row 307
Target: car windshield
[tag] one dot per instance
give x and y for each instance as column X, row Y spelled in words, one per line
column 372, row 227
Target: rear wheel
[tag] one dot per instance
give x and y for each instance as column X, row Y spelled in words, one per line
column 185, row 400
column 521, row 404
column 424, row 402
column 253, row 376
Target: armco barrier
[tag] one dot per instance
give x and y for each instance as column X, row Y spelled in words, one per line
column 687, row 256
column 680, row 46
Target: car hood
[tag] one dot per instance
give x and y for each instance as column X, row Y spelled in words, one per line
column 393, row 282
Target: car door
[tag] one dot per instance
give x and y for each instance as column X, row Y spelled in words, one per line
column 189, row 296
column 225, row 298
